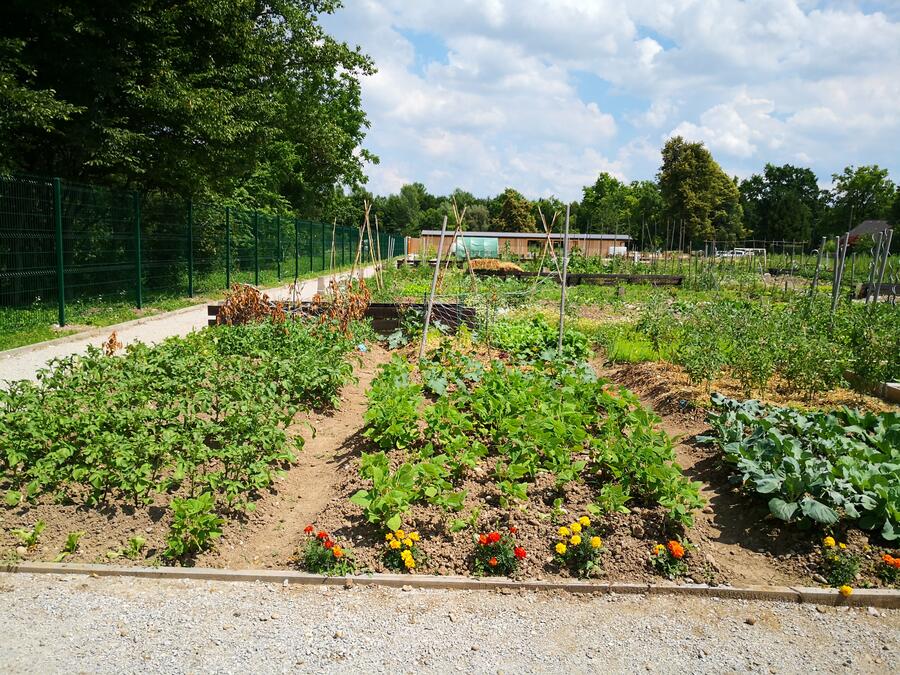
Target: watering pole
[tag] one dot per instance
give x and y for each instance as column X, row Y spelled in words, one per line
column 437, row 271
column 562, row 296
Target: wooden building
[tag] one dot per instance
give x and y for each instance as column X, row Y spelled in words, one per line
column 520, row 244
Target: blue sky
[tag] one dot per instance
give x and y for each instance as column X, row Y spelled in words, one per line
column 543, row 95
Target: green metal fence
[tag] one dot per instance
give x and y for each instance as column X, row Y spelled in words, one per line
column 62, row 242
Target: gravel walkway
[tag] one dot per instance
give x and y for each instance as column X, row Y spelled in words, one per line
column 22, row 364
column 67, row 624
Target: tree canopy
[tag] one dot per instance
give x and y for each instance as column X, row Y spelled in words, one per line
column 231, row 98
column 782, row 204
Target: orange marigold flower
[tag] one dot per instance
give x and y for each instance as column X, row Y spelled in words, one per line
column 328, row 543
column 492, row 562
column 337, row 552
column 482, row 539
column 308, row 529
column 676, row 549
column 494, row 537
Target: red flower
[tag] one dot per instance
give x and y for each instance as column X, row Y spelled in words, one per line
column 482, row 539
column 513, row 530
column 520, row 552
column 322, row 535
column 329, row 543
column 494, row 537
column 308, row 529
column 492, row 562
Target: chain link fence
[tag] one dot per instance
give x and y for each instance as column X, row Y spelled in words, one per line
column 62, row 242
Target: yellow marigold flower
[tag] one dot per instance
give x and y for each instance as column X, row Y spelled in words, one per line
column 828, row 541
column 407, row 542
column 394, row 544
column 564, row 531
column 585, row 521
column 575, row 540
column 400, row 534
column 410, row 564
column 388, row 536
column 561, row 548
column 842, row 545
column 659, row 548
column 575, row 527
column 406, row 554
column 846, row 591
column 414, row 536
column 596, row 542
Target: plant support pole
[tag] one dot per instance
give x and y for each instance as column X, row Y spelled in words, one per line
column 60, row 272
column 256, row 248
column 278, row 261
column 887, row 254
column 434, row 278
column 565, row 273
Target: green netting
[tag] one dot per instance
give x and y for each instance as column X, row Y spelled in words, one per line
column 126, row 247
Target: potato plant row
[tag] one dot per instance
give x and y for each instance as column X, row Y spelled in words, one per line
column 200, row 415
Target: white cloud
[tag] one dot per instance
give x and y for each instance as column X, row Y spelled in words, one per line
column 815, row 82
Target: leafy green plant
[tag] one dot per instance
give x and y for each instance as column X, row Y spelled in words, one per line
column 194, row 526
column 393, row 413
column 29, row 538
column 322, row 555
column 70, row 546
column 497, row 554
column 818, row 467
column 838, row 563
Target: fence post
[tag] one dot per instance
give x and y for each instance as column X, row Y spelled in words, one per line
column 227, row 248
column 137, row 250
column 190, row 236
column 309, row 230
column 323, row 247
column 256, row 248
column 343, row 247
column 60, row 273
column 278, row 262
column 296, row 250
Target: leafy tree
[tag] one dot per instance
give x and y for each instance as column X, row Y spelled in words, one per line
column 784, row 203
column 698, row 193
column 515, row 213
column 866, row 190
column 195, row 98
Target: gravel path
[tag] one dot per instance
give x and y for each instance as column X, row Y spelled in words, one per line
column 22, row 364
column 54, row 624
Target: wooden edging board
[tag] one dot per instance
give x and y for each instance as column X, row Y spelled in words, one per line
column 861, row 597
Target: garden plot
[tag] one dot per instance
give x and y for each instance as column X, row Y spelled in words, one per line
column 282, row 444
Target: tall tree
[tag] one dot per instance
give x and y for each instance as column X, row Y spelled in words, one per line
column 698, row 195
column 866, row 190
column 515, row 213
column 192, row 97
column 783, row 204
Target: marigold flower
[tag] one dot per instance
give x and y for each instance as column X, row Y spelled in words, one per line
column 337, row 552
column 676, row 549
column 561, row 548
column 322, row 535
column 494, row 537
column 585, row 521
column 519, row 552
column 408, row 542
column 828, row 542
column 596, row 542
column 328, row 544
column 394, row 544
column 308, row 529
column 414, row 536
column 513, row 530
column 388, row 537
column 575, row 540
column 406, row 555
column 842, row 545
column 400, row 534
column 575, row 527
column 659, row 549
column 564, row 531
column 846, row 591
column 492, row 562
column 482, row 539
column 410, row 564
